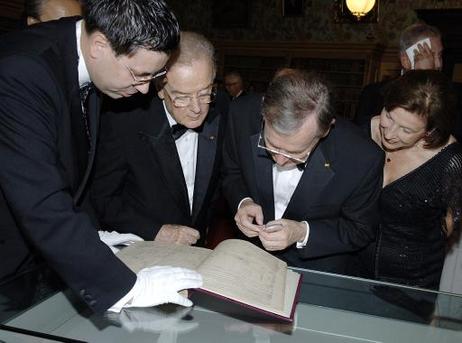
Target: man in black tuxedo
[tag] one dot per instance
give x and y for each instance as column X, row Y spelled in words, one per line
column 48, row 131
column 305, row 185
column 426, row 57
column 158, row 158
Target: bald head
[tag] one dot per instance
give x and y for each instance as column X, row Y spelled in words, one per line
column 193, row 47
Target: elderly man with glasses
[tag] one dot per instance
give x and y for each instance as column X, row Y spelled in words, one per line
column 304, row 184
column 159, row 155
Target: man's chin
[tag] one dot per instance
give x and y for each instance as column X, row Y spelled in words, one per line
column 194, row 123
column 118, row 94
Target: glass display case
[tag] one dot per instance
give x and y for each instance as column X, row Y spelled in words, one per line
column 331, row 308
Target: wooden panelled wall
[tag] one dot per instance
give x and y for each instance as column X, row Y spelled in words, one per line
column 347, row 66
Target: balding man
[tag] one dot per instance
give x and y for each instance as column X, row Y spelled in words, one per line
column 304, row 185
column 158, row 158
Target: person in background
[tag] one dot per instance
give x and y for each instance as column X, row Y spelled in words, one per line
column 234, row 85
column 422, row 159
column 158, row 160
column 296, row 189
column 52, row 76
column 37, row 11
column 425, row 57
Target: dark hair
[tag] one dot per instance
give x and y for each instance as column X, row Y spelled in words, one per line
column 292, row 97
column 429, row 94
column 32, row 8
column 233, row 73
column 133, row 24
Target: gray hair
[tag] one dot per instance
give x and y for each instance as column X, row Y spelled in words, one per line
column 292, row 97
column 193, row 46
column 412, row 34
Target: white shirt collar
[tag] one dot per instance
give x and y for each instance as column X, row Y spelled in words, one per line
column 171, row 120
column 84, row 77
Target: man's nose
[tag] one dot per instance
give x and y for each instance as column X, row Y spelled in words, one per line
column 142, row 87
column 280, row 159
column 195, row 105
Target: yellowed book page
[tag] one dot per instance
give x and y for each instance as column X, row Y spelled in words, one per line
column 239, row 270
column 291, row 290
column 148, row 254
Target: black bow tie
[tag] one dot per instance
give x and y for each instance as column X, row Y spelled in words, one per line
column 179, row 130
column 300, row 166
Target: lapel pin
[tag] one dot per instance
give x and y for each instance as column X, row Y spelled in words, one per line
column 326, row 164
column 212, row 138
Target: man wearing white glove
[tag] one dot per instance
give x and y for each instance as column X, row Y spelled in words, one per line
column 52, row 77
column 160, row 285
column 154, row 285
column 113, row 239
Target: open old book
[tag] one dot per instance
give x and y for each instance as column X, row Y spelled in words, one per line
column 235, row 270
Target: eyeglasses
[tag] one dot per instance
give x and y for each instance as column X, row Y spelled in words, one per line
column 262, row 145
column 138, row 80
column 185, row 100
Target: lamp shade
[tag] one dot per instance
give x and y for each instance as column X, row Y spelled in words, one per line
column 360, row 8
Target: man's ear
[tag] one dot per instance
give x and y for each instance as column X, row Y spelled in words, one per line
column 98, row 45
column 332, row 123
column 405, row 61
column 31, row 21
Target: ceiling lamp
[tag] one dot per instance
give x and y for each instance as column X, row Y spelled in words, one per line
column 359, row 8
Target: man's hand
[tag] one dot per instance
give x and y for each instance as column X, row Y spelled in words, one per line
column 161, row 284
column 178, row 234
column 279, row 234
column 245, row 216
column 424, row 58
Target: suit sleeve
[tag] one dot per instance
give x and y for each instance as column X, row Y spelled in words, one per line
column 107, row 190
column 36, row 187
column 358, row 221
column 234, row 187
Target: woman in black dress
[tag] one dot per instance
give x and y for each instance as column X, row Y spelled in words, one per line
column 422, row 158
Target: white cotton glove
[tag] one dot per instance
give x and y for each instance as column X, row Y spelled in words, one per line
column 154, row 320
column 161, row 284
column 113, row 238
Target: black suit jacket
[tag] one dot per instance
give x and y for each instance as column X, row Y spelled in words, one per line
column 139, row 183
column 337, row 193
column 45, row 166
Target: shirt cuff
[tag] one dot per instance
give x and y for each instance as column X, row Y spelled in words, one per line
column 240, row 202
column 117, row 307
column 302, row 244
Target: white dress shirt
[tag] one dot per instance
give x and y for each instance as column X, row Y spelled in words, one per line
column 285, row 180
column 186, row 146
column 84, row 77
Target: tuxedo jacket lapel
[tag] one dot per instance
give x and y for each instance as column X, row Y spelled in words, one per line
column 264, row 178
column 316, row 176
column 206, row 153
column 166, row 161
